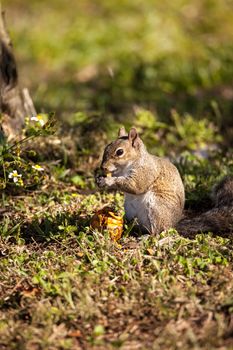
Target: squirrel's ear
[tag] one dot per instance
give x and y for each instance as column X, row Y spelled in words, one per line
column 133, row 136
column 122, row 132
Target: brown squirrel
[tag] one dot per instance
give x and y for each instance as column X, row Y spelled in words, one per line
column 154, row 192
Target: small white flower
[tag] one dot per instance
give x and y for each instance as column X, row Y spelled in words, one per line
column 14, row 175
column 38, row 167
column 39, row 119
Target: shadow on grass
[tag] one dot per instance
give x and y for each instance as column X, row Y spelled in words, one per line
column 119, row 95
column 57, row 229
column 47, row 229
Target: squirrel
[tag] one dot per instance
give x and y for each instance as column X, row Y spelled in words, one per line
column 154, row 191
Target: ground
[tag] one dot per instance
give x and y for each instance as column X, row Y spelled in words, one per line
column 64, row 285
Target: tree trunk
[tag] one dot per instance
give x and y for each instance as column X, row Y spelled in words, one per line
column 15, row 104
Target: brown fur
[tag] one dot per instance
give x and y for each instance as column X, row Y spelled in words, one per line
column 139, row 173
column 219, row 219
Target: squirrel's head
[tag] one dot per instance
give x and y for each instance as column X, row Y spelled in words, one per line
column 122, row 152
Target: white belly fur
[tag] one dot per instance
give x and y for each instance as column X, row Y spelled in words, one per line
column 138, row 207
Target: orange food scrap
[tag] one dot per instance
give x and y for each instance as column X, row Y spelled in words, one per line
column 106, row 219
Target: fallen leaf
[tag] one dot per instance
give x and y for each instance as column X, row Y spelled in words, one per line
column 30, row 293
column 150, row 251
column 75, row 334
column 80, row 254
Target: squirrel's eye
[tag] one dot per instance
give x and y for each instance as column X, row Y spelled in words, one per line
column 119, row 152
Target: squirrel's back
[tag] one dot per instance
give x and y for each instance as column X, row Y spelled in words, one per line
column 218, row 219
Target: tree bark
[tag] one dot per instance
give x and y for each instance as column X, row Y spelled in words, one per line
column 15, row 104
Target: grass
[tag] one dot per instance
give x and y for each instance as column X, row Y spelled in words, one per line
column 167, row 69
column 69, row 287
column 65, row 286
column 175, row 55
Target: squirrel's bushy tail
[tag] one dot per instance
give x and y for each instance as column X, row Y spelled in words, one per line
column 219, row 218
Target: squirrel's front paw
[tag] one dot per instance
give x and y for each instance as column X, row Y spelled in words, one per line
column 100, row 181
column 104, row 181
